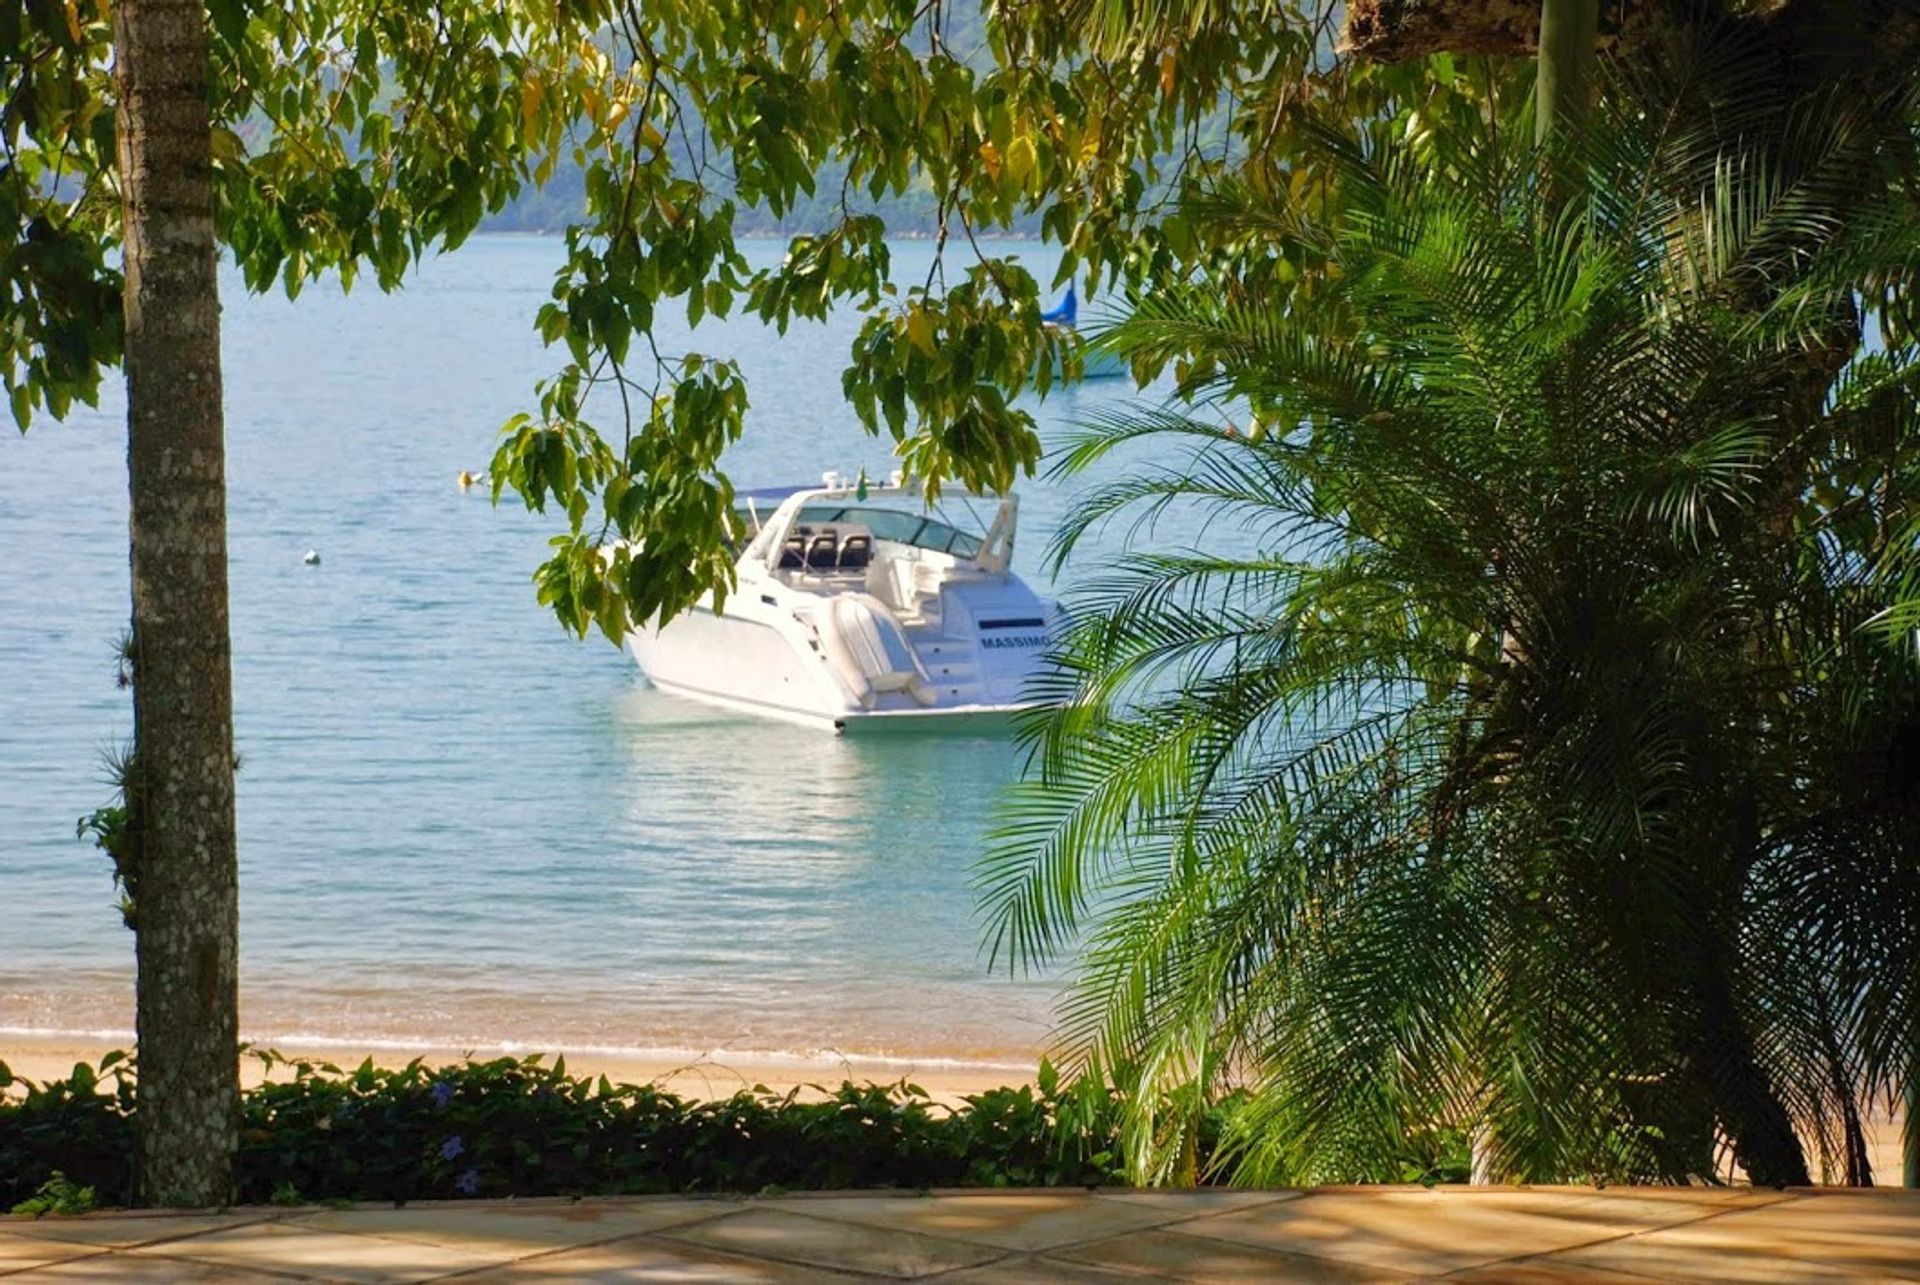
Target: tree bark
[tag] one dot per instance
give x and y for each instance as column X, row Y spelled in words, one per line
column 1727, row 1063
column 188, row 909
column 1563, row 90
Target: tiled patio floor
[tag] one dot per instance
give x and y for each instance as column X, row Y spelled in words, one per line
column 1335, row 1234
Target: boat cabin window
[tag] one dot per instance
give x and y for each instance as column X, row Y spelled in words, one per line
column 891, row 524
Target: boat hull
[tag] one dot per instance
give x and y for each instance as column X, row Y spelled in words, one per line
column 758, row 660
column 979, row 720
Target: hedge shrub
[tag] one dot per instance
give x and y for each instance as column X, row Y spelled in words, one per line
column 524, row 1127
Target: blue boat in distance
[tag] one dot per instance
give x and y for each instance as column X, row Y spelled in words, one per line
column 1065, row 315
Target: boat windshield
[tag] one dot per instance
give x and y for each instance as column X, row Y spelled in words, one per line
column 901, row 528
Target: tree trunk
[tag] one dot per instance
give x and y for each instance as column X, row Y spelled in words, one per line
column 187, row 914
column 1748, row 1107
column 1563, row 89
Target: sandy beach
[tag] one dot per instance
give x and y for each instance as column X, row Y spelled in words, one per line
column 713, row 1075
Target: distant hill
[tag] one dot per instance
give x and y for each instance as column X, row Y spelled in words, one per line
column 561, row 201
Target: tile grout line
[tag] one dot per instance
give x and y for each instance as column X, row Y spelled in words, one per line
column 1172, row 1220
column 267, row 1273
column 1299, row 1251
column 57, row 1262
column 1006, row 1256
column 942, row 1237
column 1001, row 1253
column 1548, row 1255
column 187, row 1237
column 515, row 1261
column 1172, row 1225
column 665, row 1241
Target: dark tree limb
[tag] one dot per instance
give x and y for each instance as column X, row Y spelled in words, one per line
column 1831, row 38
column 1397, row 30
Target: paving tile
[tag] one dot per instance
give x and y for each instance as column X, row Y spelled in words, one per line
column 648, row 1259
column 510, row 1231
column 122, row 1231
column 1172, row 1255
column 18, row 1253
column 1675, row 1259
column 821, row 1242
column 1816, row 1235
column 1645, row 1212
column 1027, row 1269
column 1528, row 1236
column 1200, row 1201
column 1547, row 1271
column 1700, row 1195
column 1024, row 1222
column 278, row 1247
column 1416, row 1232
column 145, row 1267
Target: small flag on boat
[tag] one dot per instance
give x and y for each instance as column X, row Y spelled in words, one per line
column 860, row 492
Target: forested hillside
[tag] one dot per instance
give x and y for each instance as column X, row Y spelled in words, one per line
column 560, row 201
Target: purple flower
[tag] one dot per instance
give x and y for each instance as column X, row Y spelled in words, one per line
column 442, row 1093
column 452, row 1148
column 468, row 1182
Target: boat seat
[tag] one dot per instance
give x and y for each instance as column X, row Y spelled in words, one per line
column 823, row 552
column 856, row 551
column 794, row 556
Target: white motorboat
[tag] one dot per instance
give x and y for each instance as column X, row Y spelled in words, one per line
column 860, row 609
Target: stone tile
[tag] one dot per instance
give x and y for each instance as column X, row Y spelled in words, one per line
column 1028, row 1269
column 509, row 1231
column 1023, row 1222
column 17, row 1253
column 820, row 1242
column 1670, row 1259
column 1707, row 1196
column 145, row 1267
column 123, row 1231
column 1172, row 1255
column 1641, row 1211
column 1546, row 1271
column 1814, row 1236
column 1414, row 1232
column 648, row 1259
column 1197, row 1202
column 278, row 1247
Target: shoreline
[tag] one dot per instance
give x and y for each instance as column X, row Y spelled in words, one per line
column 719, row 1073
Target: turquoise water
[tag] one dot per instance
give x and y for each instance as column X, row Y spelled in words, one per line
column 457, row 824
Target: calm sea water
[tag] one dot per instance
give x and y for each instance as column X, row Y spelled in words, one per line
column 457, row 824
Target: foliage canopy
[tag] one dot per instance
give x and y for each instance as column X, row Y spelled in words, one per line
column 1532, row 744
column 355, row 137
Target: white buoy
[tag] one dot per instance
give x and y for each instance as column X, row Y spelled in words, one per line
column 312, row 558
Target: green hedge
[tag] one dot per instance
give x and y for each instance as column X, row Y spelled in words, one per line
column 523, row 1127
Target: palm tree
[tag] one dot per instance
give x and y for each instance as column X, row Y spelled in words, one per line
column 1514, row 755
column 180, row 804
